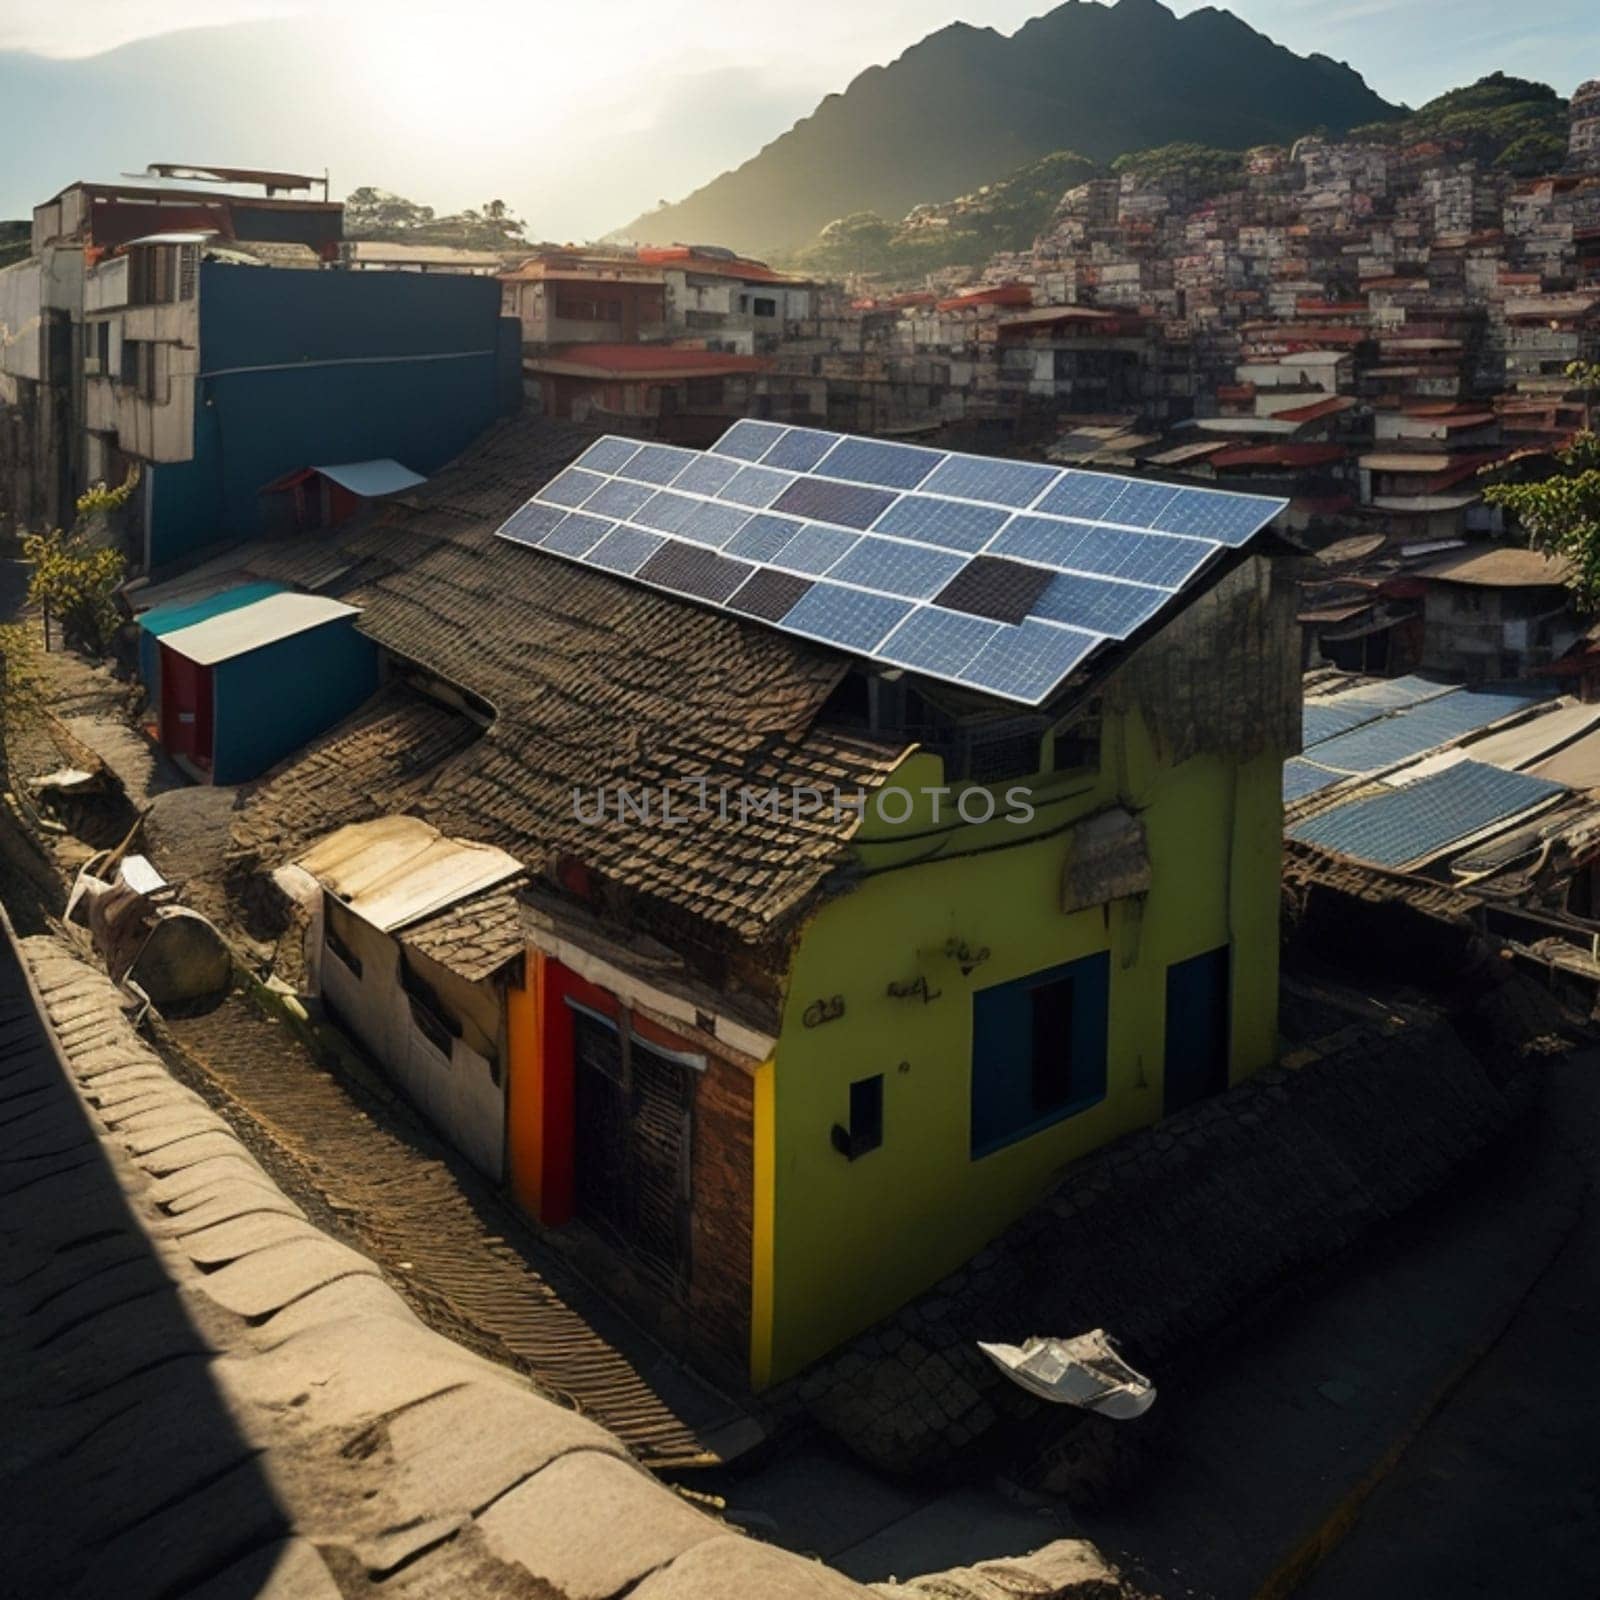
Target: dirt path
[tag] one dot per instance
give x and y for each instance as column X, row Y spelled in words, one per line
column 370, row 1171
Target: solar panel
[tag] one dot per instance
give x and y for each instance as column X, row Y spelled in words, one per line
column 1420, row 819
column 577, row 535
column 911, row 570
column 986, row 586
column 999, row 575
column 689, row 570
column 530, row 523
column 625, row 550
column 800, row 449
column 711, row 522
column 1326, row 719
column 1027, row 661
column 616, row 497
column 571, row 488
column 1415, row 729
column 1301, row 778
column 1082, row 494
column 1214, row 514
column 748, row 440
column 844, row 503
column 944, row 522
column 937, row 641
column 814, row 549
column 895, row 466
column 1162, row 559
column 849, row 617
column 769, row 595
column 1005, row 483
column 1098, row 605
column 607, row 455
column 656, row 463
column 705, row 475
column 755, row 486
column 762, row 537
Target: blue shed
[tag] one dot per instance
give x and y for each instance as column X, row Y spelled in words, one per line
column 244, row 686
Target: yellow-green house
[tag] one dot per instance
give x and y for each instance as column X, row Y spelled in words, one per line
column 969, row 1004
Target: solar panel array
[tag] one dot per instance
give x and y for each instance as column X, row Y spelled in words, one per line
column 1418, row 820
column 1381, row 725
column 999, row 575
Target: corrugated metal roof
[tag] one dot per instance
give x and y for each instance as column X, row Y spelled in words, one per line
column 1500, row 566
column 1408, row 825
column 372, row 479
column 264, row 622
column 397, row 870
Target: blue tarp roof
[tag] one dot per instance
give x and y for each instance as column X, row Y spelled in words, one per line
column 1417, row 820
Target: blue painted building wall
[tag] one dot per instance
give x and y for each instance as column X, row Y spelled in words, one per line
column 269, row 702
column 302, row 367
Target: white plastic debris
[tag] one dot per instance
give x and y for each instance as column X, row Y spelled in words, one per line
column 1084, row 1371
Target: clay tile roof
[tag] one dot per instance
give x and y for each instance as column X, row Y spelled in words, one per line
column 597, row 683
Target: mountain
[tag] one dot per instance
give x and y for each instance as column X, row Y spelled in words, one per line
column 967, row 103
column 1513, row 122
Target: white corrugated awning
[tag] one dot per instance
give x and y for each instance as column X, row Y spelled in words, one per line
column 236, row 633
column 396, row 870
column 370, row 479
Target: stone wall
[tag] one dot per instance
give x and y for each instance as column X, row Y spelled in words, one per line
column 1166, row 1237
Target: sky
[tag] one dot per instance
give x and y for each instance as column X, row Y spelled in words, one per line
column 451, row 104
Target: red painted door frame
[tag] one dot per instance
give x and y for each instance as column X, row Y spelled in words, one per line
column 185, row 716
column 558, row 1131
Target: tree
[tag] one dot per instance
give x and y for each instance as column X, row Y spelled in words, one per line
column 1561, row 514
column 76, row 575
column 380, row 214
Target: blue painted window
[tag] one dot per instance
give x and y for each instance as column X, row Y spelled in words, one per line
column 1038, row 1051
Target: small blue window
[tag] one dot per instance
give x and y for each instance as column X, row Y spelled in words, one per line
column 1038, row 1051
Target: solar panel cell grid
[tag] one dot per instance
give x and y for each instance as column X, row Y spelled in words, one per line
column 688, row 569
column 1140, row 504
column 769, row 595
column 571, row 488
column 755, row 486
column 800, row 449
column 577, row 535
column 989, row 587
column 616, row 497
column 943, row 522
column 1026, row 662
column 843, row 503
column 666, row 512
column 1301, row 778
column 1154, row 558
column 530, row 523
column 895, row 466
column 1420, row 819
column 762, row 537
column 747, row 440
column 713, row 523
column 936, row 641
column 656, row 463
column 705, row 475
column 607, row 455
column 1098, row 605
column 1209, row 514
column 1082, row 494
column 904, row 569
column 846, row 617
column 625, row 550
column 814, row 549
column 1006, row 483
